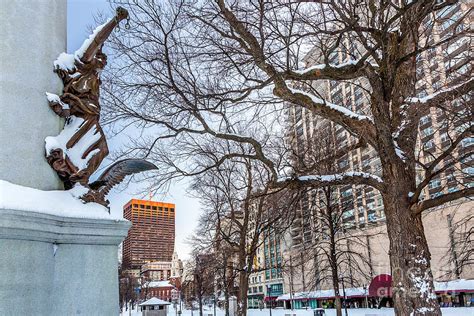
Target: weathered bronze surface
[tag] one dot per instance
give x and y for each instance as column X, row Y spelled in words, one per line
column 80, row 100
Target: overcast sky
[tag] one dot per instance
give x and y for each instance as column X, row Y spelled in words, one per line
column 80, row 19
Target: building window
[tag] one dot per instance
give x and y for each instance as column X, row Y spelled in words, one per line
column 434, row 184
column 429, row 144
column 434, row 195
column 346, row 193
column 453, row 189
column 467, row 142
column 343, row 163
column 428, row 131
column 347, row 214
column 469, row 171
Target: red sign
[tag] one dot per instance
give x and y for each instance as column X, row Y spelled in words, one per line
column 381, row 286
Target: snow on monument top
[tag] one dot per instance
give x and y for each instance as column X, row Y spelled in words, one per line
column 59, row 203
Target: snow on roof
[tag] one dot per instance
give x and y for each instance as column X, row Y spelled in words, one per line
column 454, row 285
column 154, row 301
column 159, row 284
column 59, row 203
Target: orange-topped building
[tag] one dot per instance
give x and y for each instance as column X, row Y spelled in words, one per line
column 151, row 237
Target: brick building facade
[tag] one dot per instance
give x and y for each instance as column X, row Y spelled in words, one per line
column 151, row 237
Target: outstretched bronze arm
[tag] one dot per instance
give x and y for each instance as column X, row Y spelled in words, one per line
column 103, row 34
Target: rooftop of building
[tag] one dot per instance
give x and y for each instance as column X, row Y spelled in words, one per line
column 149, row 203
column 158, row 284
column 154, row 301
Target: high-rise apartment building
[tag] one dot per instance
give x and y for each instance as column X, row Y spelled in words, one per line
column 152, row 235
column 362, row 206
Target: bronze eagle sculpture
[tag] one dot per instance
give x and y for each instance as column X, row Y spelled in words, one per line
column 76, row 153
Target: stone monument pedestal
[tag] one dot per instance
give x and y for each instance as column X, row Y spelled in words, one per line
column 54, row 265
column 50, row 264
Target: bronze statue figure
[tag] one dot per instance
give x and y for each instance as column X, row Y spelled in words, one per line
column 76, row 153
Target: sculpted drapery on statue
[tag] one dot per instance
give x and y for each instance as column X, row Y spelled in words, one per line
column 76, row 153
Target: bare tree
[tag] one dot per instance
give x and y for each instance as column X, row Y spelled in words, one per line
column 201, row 281
column 145, row 286
column 226, row 275
column 240, row 208
column 201, row 72
column 127, row 286
column 187, row 285
column 460, row 254
column 336, row 248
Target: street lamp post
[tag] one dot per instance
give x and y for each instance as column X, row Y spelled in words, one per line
column 269, row 300
column 344, row 294
column 214, row 299
column 366, row 296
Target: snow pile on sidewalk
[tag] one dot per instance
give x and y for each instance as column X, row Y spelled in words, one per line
column 454, row 311
column 60, row 203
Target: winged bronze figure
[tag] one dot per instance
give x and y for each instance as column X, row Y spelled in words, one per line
column 76, row 153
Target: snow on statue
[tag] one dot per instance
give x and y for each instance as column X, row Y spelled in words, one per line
column 76, row 153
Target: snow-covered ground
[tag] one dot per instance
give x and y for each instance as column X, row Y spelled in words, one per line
column 461, row 311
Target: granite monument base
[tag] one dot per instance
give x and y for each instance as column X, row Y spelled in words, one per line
column 53, row 265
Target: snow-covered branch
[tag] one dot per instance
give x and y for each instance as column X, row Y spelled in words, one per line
column 357, row 124
column 340, row 109
column 344, row 71
column 444, row 94
column 335, row 179
column 442, row 199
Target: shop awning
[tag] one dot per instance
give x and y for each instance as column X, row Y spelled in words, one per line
column 379, row 287
column 454, row 286
column 270, row 298
column 323, row 294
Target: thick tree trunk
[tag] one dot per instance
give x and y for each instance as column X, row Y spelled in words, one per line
column 337, row 296
column 243, row 288
column 412, row 278
column 200, row 305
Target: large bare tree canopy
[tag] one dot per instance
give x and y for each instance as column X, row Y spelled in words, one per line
column 215, row 79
